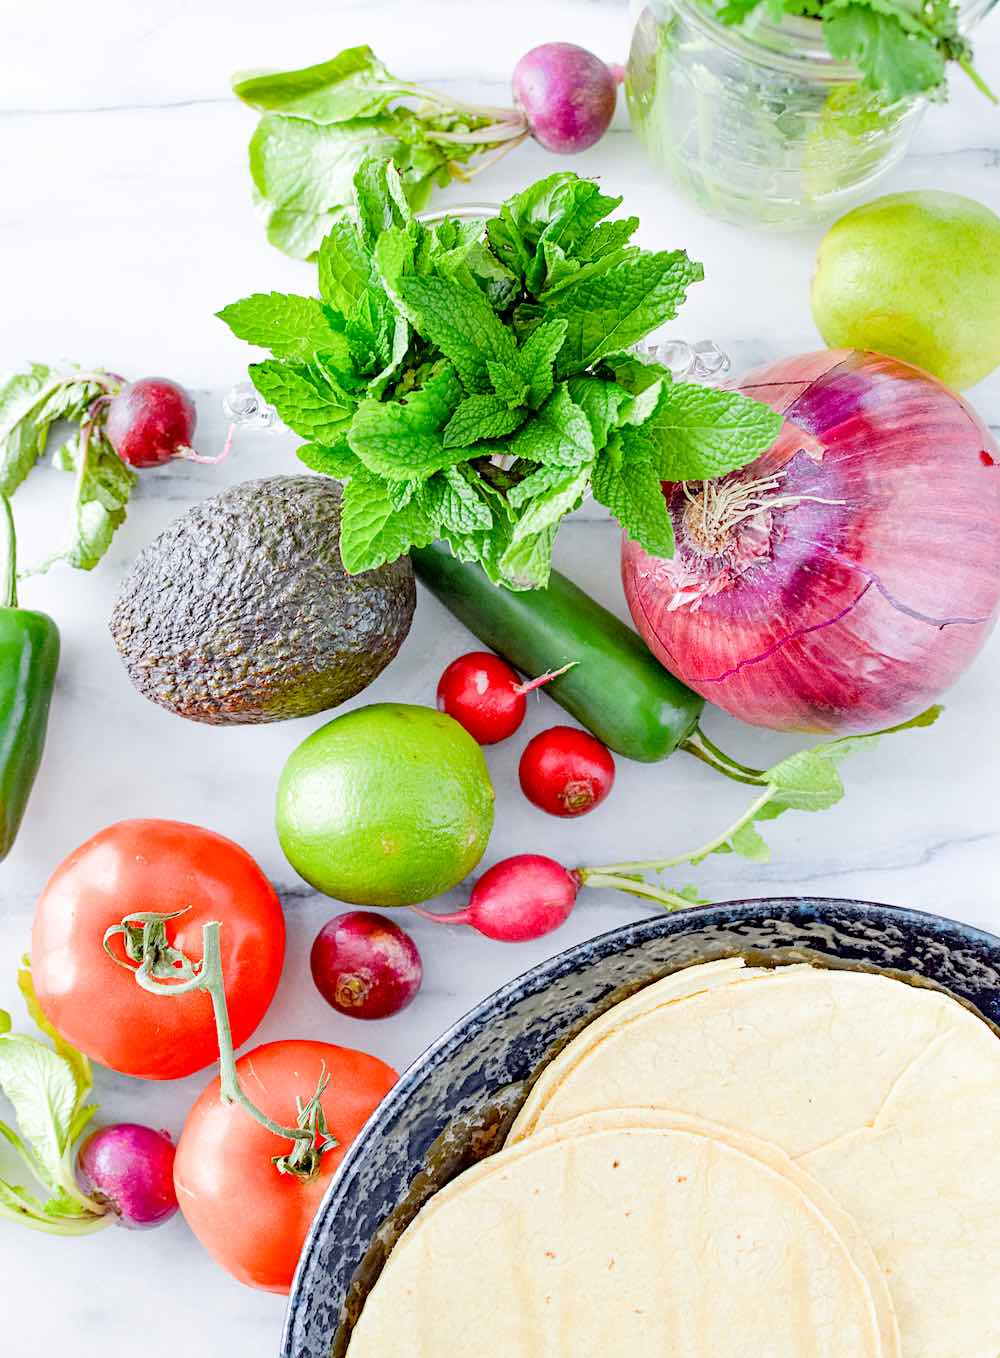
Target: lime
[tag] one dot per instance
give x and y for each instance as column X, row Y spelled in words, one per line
column 387, row 805
column 917, row 276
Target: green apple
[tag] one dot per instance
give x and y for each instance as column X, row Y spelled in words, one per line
column 917, row 276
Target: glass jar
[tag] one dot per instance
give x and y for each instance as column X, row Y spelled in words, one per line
column 758, row 123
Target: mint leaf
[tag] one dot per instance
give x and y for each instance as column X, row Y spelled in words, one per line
column 537, row 358
column 701, row 432
column 620, row 306
column 337, row 461
column 635, row 373
column 547, row 509
column 305, row 401
column 462, row 324
column 601, row 402
column 373, row 530
column 354, row 84
column 345, row 269
column 893, row 60
column 527, row 563
column 536, row 483
column 509, row 385
column 458, row 506
column 478, row 418
column 558, row 433
column 291, row 327
column 379, row 198
column 403, row 440
column 626, row 481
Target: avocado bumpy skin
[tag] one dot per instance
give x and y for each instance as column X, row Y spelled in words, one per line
column 241, row 610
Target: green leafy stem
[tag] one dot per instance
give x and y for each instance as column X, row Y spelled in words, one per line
column 806, row 781
column 165, row 971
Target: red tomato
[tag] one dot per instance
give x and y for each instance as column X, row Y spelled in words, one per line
column 251, row 1218
column 162, row 866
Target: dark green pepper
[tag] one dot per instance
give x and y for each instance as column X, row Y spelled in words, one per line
column 29, row 658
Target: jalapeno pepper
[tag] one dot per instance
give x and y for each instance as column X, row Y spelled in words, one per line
column 29, row 658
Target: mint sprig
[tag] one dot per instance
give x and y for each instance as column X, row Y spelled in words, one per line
column 472, row 381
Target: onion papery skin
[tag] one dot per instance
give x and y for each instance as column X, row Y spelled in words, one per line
column 836, row 617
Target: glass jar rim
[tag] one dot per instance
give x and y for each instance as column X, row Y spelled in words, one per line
column 795, row 45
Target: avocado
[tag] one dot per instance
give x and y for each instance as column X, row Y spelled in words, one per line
column 241, row 610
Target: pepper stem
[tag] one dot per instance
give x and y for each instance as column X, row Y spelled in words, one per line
column 8, row 556
column 156, row 961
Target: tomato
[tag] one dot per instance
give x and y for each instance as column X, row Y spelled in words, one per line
column 162, row 866
column 251, row 1218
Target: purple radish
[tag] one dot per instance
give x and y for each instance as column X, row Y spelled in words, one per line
column 130, row 1168
column 566, row 94
column 365, row 965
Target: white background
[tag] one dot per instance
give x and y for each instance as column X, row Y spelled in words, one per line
column 125, row 223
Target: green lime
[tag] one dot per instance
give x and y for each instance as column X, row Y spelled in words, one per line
column 917, row 276
column 387, row 805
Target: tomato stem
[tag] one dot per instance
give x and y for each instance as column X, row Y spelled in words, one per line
column 164, row 970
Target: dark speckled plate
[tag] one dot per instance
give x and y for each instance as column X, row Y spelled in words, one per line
column 455, row 1103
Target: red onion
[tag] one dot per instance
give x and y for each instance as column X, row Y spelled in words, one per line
column 850, row 574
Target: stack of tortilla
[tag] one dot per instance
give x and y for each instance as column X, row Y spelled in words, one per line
column 771, row 1163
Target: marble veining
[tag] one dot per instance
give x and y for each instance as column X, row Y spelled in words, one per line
column 125, row 223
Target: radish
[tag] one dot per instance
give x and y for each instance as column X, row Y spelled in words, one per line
column 565, row 771
column 486, row 696
column 130, row 1169
column 519, row 898
column 566, row 94
column 152, row 421
column 365, row 966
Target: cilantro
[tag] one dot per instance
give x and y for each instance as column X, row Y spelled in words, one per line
column 900, row 48
column 471, row 381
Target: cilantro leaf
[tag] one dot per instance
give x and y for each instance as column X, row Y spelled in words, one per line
column 892, row 59
column 291, row 327
column 701, row 432
column 627, row 482
column 559, row 433
column 306, row 402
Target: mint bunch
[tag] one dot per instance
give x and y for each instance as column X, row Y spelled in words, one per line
column 472, row 381
column 901, row 47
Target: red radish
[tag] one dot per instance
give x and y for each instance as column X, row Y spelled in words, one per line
column 847, row 577
column 151, row 421
column 566, row 772
column 365, row 966
column 486, row 696
column 566, row 94
column 131, row 1169
column 518, row 899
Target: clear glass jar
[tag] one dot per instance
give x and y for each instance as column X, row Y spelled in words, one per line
column 758, row 123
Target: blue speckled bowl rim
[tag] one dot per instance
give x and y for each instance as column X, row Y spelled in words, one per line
column 563, row 964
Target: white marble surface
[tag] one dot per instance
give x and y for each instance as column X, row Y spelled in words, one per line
column 125, row 222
